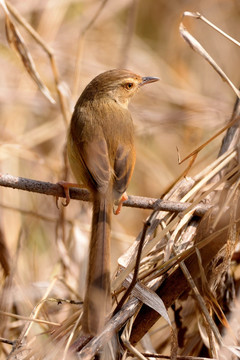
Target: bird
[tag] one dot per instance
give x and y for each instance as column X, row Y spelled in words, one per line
column 101, row 152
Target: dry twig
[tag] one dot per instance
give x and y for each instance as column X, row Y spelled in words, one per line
column 56, row 190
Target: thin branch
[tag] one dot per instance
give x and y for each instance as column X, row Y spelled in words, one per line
column 56, row 190
column 6, row 341
column 136, row 269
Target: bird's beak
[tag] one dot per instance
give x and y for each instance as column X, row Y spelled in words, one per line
column 148, row 80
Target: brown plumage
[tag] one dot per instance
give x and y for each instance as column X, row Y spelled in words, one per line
column 102, row 156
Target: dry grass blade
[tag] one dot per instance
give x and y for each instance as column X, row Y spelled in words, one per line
column 17, row 42
column 66, row 349
column 209, row 296
column 48, row 50
column 197, row 15
column 201, row 302
column 193, row 156
column 35, row 312
column 29, row 319
column 149, row 297
column 196, row 46
column 125, row 339
column 202, row 146
column 234, row 350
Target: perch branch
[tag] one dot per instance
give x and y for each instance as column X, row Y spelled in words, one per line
column 56, row 190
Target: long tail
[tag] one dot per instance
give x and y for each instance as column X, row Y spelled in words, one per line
column 97, row 301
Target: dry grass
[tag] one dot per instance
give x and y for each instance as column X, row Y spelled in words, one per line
column 44, row 250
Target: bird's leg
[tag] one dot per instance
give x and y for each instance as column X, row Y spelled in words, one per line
column 66, row 186
column 123, row 198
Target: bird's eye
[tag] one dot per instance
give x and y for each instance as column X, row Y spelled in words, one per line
column 128, row 86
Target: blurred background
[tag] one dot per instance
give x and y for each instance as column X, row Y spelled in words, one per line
column 185, row 108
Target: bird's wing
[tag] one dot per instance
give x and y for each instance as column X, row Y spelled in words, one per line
column 123, row 167
column 94, row 156
column 88, row 155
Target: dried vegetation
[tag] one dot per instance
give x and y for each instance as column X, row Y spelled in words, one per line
column 185, row 304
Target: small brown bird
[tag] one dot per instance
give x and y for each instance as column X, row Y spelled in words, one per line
column 102, row 157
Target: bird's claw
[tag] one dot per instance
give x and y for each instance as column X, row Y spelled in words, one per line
column 66, row 186
column 123, row 198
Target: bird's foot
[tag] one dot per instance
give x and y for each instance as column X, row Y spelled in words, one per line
column 66, row 186
column 123, row 198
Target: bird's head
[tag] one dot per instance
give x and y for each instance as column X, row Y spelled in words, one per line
column 119, row 85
